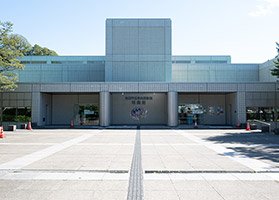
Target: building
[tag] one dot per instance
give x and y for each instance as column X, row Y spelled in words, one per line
column 139, row 81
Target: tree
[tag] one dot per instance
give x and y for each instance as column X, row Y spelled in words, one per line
column 37, row 50
column 12, row 47
column 10, row 51
column 21, row 43
column 275, row 71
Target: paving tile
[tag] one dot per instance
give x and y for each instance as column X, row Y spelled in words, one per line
column 232, row 187
column 79, row 185
column 71, row 195
column 111, row 195
column 109, row 185
column 27, row 194
column 156, row 176
column 243, row 196
column 184, row 185
column 165, row 185
column 162, row 195
column 199, row 194
column 113, row 150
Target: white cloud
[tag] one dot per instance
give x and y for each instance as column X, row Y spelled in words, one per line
column 265, row 7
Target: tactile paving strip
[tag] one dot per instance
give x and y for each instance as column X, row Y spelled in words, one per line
column 135, row 190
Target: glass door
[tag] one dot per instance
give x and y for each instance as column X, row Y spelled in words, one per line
column 88, row 115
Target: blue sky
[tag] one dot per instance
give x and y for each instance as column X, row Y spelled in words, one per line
column 245, row 29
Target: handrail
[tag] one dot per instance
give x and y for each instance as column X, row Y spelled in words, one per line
column 262, row 123
column 265, row 123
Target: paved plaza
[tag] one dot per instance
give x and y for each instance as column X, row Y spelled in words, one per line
column 139, row 164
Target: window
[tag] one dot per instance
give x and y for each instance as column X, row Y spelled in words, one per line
column 25, row 62
column 56, row 62
column 20, row 114
column 268, row 114
column 181, row 61
column 211, row 61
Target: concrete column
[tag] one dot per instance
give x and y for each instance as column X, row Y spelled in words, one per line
column 241, row 107
column 36, row 110
column 172, row 108
column 104, row 108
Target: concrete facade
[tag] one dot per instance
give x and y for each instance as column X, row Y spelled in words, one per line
column 138, row 50
column 139, row 71
column 231, row 96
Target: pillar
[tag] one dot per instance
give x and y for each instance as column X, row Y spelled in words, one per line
column 104, row 108
column 172, row 109
column 241, row 107
column 36, row 110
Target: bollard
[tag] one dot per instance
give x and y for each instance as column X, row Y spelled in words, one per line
column 72, row 124
column 196, row 124
column 29, row 127
column 2, row 135
column 248, row 127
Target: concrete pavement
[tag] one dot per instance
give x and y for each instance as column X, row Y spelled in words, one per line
column 176, row 164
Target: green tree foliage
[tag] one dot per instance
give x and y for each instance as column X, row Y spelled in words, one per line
column 12, row 47
column 37, row 50
column 275, row 71
column 21, row 43
column 10, row 51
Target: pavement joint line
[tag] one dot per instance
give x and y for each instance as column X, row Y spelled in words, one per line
column 64, row 176
column 145, row 171
column 249, row 162
column 135, row 189
column 208, row 171
column 63, row 171
column 200, row 171
column 213, row 177
column 80, row 176
column 105, row 144
column 79, row 144
column 28, row 144
column 170, row 144
column 28, row 159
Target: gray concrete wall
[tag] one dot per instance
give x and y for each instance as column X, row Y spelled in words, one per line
column 156, row 108
column 138, row 50
column 214, row 72
column 16, row 99
column 248, row 94
column 43, row 69
column 261, row 99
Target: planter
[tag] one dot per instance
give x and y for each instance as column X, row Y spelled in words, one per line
column 11, row 127
column 276, row 131
column 23, row 126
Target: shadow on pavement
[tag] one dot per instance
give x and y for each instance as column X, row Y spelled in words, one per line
column 259, row 146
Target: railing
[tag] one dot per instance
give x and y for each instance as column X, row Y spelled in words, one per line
column 261, row 124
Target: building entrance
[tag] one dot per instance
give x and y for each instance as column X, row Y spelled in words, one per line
column 82, row 109
column 206, row 108
column 190, row 113
column 88, row 114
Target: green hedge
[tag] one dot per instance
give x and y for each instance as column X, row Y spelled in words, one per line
column 13, row 118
